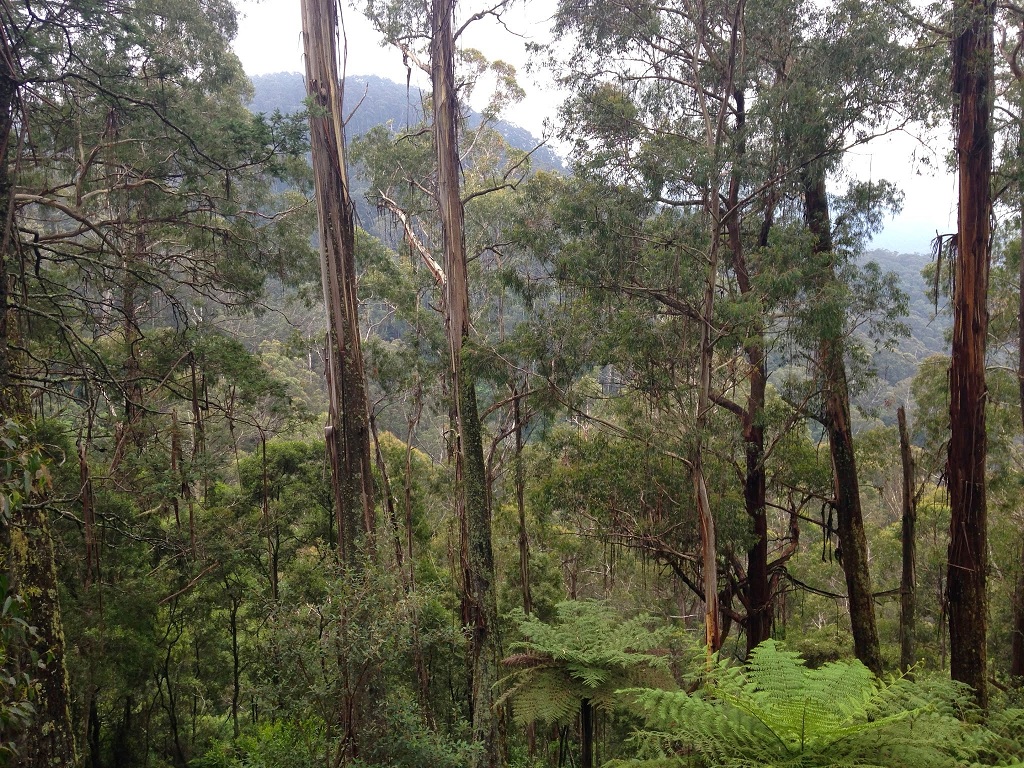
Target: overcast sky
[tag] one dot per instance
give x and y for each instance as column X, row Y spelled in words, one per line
column 269, row 40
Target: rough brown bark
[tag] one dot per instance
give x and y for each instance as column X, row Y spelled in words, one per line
column 965, row 469
column 26, row 545
column 908, row 537
column 758, row 595
column 481, row 600
column 348, row 434
column 838, row 427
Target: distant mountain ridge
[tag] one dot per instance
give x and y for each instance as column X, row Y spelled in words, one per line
column 370, row 101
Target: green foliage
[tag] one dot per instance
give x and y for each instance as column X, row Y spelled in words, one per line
column 24, row 476
column 587, row 653
column 19, row 686
column 778, row 712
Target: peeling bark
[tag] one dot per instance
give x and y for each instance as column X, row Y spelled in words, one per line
column 965, row 469
column 480, row 601
column 348, row 433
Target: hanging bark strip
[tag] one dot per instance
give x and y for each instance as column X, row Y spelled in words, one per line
column 965, row 470
column 472, row 490
column 348, row 434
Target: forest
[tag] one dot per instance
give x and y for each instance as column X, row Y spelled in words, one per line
column 344, row 425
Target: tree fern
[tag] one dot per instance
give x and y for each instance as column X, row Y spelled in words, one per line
column 778, row 713
column 587, row 653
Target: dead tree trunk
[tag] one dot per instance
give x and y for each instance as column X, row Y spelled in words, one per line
column 348, row 434
column 838, row 427
column 965, row 470
column 908, row 537
column 484, row 646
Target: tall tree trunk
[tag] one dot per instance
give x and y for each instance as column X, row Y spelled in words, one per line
column 49, row 740
column 1017, row 634
column 755, row 494
column 838, row 427
column 26, row 541
column 520, row 480
column 965, row 470
column 348, row 434
column 908, row 536
column 12, row 398
column 587, row 728
column 706, row 519
column 482, row 604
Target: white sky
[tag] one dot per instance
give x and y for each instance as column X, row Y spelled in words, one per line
column 269, row 40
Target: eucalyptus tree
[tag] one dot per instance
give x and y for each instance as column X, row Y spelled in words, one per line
column 968, row 548
column 427, row 38
column 348, row 438
column 665, row 105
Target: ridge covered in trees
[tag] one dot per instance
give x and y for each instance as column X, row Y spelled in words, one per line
column 404, row 443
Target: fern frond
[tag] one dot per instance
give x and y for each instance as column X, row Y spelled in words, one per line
column 779, row 714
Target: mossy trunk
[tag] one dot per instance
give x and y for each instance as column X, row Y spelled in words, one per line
column 965, row 468
column 49, row 740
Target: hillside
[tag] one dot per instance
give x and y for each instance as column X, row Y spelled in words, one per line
column 372, row 101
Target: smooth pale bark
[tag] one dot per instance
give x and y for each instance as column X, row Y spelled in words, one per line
column 965, row 468
column 348, row 434
column 481, row 604
column 706, row 520
column 838, row 427
column 908, row 537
